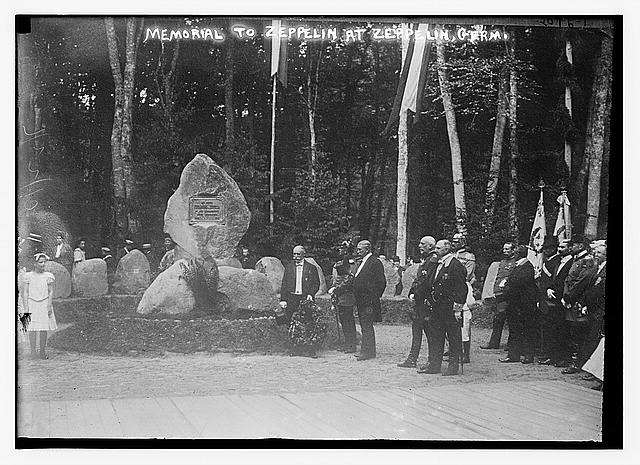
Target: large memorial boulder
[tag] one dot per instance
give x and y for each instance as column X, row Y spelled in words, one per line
column 247, row 289
column 90, row 278
column 408, row 276
column 62, row 284
column 392, row 276
column 207, row 215
column 232, row 262
column 169, row 293
column 323, row 281
column 132, row 274
column 273, row 269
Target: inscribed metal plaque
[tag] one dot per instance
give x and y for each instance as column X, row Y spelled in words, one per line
column 204, row 209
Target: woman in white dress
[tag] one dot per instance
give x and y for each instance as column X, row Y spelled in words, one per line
column 37, row 299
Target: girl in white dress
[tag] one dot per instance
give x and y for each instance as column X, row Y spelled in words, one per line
column 38, row 300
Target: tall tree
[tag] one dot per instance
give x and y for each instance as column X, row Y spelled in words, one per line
column 496, row 152
column 595, row 147
column 403, row 160
column 121, row 156
column 228, row 92
column 165, row 78
column 454, row 142
column 514, row 230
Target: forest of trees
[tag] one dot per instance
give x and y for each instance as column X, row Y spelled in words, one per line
column 107, row 121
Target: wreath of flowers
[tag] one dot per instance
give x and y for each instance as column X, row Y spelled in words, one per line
column 306, row 328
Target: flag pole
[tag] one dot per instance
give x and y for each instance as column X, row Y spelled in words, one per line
column 273, row 150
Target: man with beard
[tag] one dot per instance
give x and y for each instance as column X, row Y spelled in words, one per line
column 520, row 294
column 577, row 281
column 368, row 286
column 595, row 303
column 447, row 292
column 300, row 282
column 554, row 272
column 417, row 296
column 493, row 292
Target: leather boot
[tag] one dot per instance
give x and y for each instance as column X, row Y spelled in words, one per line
column 451, row 370
column 410, row 362
column 466, row 348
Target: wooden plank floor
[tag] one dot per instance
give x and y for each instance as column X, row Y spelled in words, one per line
column 541, row 410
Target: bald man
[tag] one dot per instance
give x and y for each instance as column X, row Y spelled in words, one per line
column 368, row 285
column 300, row 282
column 417, row 295
column 447, row 292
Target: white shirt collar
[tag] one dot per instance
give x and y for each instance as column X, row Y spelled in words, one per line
column 446, row 259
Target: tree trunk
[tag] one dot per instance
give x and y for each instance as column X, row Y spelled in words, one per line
column 121, row 156
column 403, row 160
column 454, row 143
column 496, row 154
column 514, row 230
column 594, row 150
column 228, row 94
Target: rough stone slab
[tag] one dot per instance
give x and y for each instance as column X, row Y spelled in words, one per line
column 169, row 293
column 90, row 278
column 62, row 285
column 408, row 276
column 132, row 274
column 392, row 278
column 232, row 262
column 273, row 269
column 247, row 289
column 202, row 176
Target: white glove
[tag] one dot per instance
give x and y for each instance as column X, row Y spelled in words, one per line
column 330, row 291
column 551, row 294
column 283, row 304
column 412, row 297
column 502, row 283
column 309, row 297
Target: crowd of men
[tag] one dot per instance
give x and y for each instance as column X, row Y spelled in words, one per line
column 556, row 314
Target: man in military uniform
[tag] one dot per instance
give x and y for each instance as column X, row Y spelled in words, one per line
column 555, row 327
column 417, row 295
column 468, row 260
column 577, row 281
column 342, row 296
column 447, row 291
column 495, row 297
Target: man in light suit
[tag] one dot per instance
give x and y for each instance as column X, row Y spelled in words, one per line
column 300, row 282
column 368, row 285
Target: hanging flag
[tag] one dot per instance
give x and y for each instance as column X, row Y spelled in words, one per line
column 562, row 229
column 538, row 233
column 413, row 78
column 278, row 53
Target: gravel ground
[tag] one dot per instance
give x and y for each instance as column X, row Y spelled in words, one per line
column 75, row 376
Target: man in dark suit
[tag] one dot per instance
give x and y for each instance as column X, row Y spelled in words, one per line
column 447, row 292
column 555, row 327
column 368, row 286
column 520, row 292
column 417, row 295
column 300, row 282
column 595, row 303
column 575, row 285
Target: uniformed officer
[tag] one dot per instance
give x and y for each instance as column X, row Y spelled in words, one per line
column 417, row 295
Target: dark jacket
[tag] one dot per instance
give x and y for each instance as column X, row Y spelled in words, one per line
column 310, row 280
column 578, row 279
column 552, row 278
column 520, row 289
column 595, row 295
column 369, row 285
column 342, row 281
column 448, row 286
column 421, row 286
